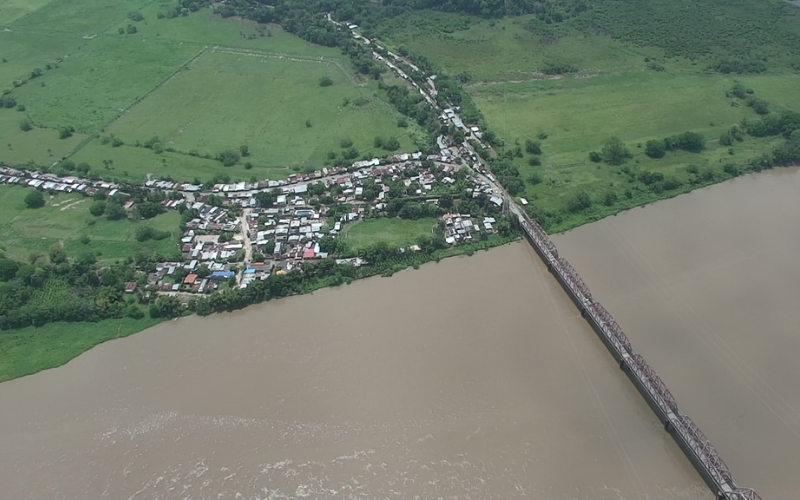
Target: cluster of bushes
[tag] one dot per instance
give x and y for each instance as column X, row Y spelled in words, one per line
column 739, row 66
column 508, row 175
column 390, row 144
column 558, row 68
column 687, row 141
column 112, row 208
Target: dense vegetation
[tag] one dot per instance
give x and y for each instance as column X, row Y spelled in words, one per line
column 36, row 293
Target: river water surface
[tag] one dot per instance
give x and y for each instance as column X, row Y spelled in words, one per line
column 707, row 287
column 471, row 378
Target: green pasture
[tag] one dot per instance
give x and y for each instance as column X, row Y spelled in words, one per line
column 201, row 83
column 32, row 349
column 132, row 164
column 64, row 219
column 40, row 145
column 578, row 115
column 395, row 232
column 100, row 81
column 11, row 10
column 507, row 49
column 227, row 98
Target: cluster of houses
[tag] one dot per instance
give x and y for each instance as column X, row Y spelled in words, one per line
column 52, row 182
column 461, row 228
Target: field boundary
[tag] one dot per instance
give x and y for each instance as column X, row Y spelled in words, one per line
column 147, row 94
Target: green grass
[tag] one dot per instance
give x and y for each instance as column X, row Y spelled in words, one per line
column 395, row 232
column 40, row 145
column 227, row 98
column 64, row 219
column 156, row 82
column 32, row 349
column 11, row 10
column 580, row 114
column 507, row 49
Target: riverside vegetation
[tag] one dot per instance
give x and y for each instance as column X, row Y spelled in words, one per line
column 593, row 107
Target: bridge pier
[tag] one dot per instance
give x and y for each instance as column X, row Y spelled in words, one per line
column 668, row 426
column 623, row 365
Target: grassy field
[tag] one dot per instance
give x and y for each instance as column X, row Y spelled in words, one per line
column 29, row 350
column 227, row 98
column 395, row 232
column 194, row 81
column 508, row 49
column 64, row 219
column 578, row 115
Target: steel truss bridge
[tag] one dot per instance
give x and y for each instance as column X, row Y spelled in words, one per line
column 682, row 428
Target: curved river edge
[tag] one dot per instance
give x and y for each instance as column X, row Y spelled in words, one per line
column 30, row 350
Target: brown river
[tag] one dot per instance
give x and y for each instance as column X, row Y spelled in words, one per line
column 471, row 378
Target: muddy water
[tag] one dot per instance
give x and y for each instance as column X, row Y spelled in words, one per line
column 472, row 378
column 707, row 287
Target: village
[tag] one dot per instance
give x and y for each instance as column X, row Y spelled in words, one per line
column 246, row 231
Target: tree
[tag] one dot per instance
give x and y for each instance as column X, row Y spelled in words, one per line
column 533, row 147
column 97, row 208
column 325, row 81
column 581, row 201
column 25, row 125
column 655, row 149
column 244, row 149
column 229, row 157
column 265, row 199
column 131, row 29
column 114, row 210
column 57, row 254
column 66, row 132
column 614, row 151
column 691, row 141
column 391, row 144
column 149, row 209
column 34, row 199
column 8, row 269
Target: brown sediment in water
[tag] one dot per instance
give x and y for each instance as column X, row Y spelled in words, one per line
column 472, row 378
column 706, row 286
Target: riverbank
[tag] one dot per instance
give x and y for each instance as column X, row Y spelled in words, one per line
column 29, row 350
column 474, row 377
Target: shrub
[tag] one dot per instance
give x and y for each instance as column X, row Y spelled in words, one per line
column 66, row 132
column 655, row 149
column 229, row 157
column 325, row 81
column 533, row 147
column 34, row 199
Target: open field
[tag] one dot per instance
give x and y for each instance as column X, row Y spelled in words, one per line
column 578, row 115
column 227, row 98
column 32, row 349
column 507, row 49
column 194, row 81
column 65, row 219
column 40, row 145
column 395, row 232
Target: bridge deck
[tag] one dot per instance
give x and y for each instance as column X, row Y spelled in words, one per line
column 685, row 432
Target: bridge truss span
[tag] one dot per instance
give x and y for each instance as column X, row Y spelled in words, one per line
column 683, row 429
